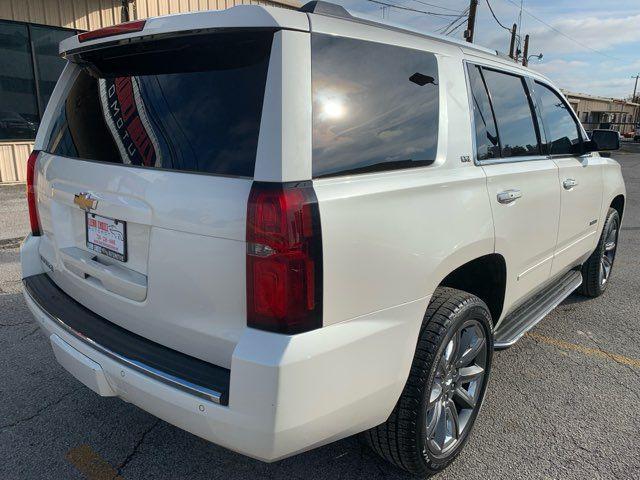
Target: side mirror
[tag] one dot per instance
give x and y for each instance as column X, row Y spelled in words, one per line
column 602, row 140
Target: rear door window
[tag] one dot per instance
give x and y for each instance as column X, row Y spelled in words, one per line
column 560, row 126
column 375, row 106
column 187, row 103
column 487, row 144
column 512, row 107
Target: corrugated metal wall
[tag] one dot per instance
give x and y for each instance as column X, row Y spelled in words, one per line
column 79, row 14
column 89, row 15
column 13, row 161
column 153, row 8
column 92, row 14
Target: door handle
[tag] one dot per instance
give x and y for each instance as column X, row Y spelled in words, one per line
column 569, row 183
column 509, row 196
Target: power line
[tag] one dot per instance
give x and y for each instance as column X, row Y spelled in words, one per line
column 496, row 18
column 559, row 32
column 457, row 27
column 434, row 5
column 401, row 7
column 463, row 14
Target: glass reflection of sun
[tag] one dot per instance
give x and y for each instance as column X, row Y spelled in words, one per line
column 333, row 109
column 331, row 105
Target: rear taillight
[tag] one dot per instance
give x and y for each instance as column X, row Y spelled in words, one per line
column 284, row 258
column 127, row 27
column 31, row 193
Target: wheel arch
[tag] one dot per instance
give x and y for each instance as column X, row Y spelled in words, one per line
column 618, row 204
column 484, row 277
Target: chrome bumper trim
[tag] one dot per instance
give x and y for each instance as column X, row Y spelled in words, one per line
column 166, row 378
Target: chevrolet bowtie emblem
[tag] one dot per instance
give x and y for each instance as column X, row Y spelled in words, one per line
column 85, row 202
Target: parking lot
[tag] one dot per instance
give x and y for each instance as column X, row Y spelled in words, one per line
column 564, row 402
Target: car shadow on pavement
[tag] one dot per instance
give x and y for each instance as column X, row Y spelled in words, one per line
column 574, row 298
column 194, row 458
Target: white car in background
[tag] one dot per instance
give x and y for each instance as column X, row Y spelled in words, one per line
column 278, row 228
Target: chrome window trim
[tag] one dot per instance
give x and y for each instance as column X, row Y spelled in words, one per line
column 524, row 158
column 163, row 377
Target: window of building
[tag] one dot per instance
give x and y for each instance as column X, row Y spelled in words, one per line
column 513, row 113
column 49, row 65
column 487, row 144
column 375, row 106
column 29, row 66
column 563, row 136
column 18, row 104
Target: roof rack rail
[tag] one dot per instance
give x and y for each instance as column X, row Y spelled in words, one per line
column 325, row 8
column 320, row 7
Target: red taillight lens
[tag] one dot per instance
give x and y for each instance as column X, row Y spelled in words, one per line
column 31, row 193
column 127, row 27
column 284, row 258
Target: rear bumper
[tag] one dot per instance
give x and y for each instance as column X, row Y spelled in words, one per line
column 286, row 394
column 168, row 366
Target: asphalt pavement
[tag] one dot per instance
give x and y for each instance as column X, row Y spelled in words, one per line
column 564, row 402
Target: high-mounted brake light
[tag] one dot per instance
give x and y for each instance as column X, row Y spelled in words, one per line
column 34, row 220
column 284, row 258
column 127, row 27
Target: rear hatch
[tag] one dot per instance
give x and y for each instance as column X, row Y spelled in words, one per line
column 143, row 184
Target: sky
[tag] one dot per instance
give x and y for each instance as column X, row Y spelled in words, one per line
column 601, row 60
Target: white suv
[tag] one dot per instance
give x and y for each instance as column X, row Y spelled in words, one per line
column 278, row 228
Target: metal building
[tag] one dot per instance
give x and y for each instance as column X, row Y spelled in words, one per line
column 603, row 112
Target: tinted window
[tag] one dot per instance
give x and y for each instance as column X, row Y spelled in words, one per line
column 487, row 145
column 49, row 64
column 18, row 108
column 560, row 127
column 375, row 106
column 513, row 114
column 192, row 103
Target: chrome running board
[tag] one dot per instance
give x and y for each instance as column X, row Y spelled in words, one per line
column 526, row 316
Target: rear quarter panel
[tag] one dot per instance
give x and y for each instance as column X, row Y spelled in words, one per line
column 390, row 238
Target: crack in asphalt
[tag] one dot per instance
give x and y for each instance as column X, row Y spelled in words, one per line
column 588, row 458
column 38, row 412
column 10, row 243
column 30, row 333
column 135, row 449
column 613, row 357
column 16, row 324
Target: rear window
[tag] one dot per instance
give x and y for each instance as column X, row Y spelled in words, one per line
column 375, row 106
column 189, row 103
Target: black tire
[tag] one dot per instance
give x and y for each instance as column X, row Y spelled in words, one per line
column 593, row 270
column 402, row 439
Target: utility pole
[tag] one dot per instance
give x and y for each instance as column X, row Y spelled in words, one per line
column 525, row 53
column 633, row 99
column 512, row 45
column 471, row 22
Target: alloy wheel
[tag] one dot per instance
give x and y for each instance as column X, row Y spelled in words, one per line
column 608, row 253
column 456, row 389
